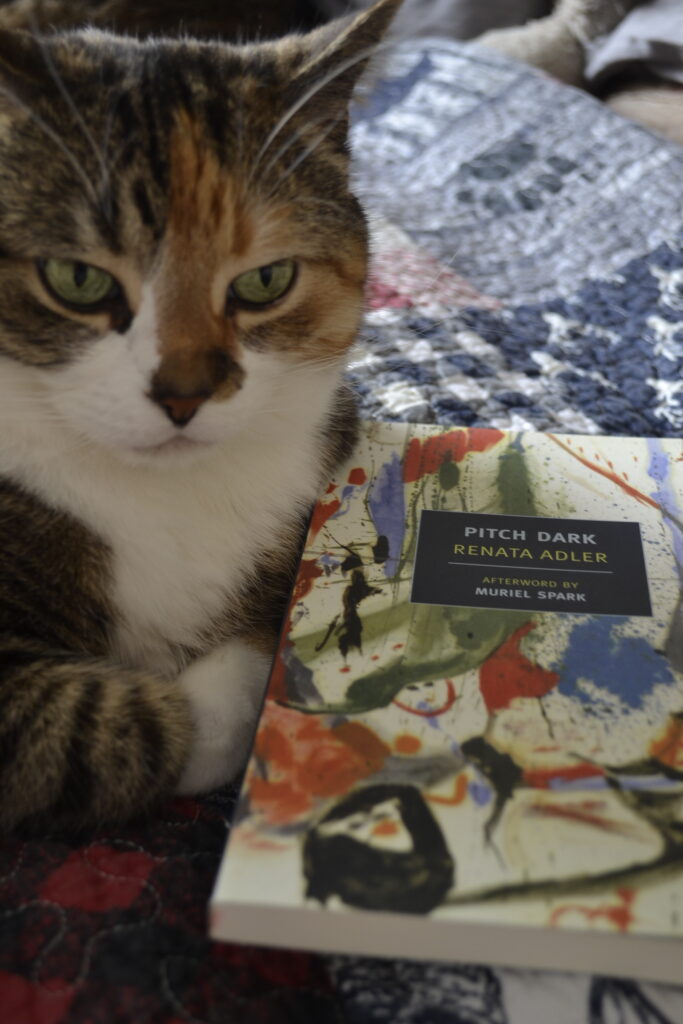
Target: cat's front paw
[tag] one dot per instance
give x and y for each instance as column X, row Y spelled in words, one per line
column 225, row 689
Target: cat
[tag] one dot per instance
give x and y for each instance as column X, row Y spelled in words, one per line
column 182, row 266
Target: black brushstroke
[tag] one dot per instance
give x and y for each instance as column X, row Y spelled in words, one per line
column 328, row 634
column 352, row 627
column 499, row 770
column 352, row 561
column 380, row 550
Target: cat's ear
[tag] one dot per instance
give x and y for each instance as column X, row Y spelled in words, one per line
column 336, row 55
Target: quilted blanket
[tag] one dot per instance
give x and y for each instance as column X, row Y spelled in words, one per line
column 527, row 273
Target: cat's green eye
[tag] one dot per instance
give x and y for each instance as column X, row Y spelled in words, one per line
column 264, row 285
column 76, row 283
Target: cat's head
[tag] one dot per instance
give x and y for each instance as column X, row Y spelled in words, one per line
column 177, row 234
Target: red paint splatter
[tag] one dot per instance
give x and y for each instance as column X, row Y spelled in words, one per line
column 407, row 744
column 507, row 673
column 280, row 801
column 357, row 476
column 431, row 711
column 309, row 572
column 668, row 749
column 427, row 456
column 322, row 511
column 372, row 750
column 331, row 488
column 621, row 915
column 346, row 668
column 587, row 812
column 459, row 793
column 385, row 828
column 277, row 685
column 543, row 778
column 304, row 761
column 631, row 491
column 254, row 841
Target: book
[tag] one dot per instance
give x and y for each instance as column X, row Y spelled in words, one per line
column 471, row 747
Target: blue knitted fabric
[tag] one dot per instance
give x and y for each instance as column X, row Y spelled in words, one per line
column 529, row 256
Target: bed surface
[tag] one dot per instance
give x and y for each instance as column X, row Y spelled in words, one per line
column 527, row 273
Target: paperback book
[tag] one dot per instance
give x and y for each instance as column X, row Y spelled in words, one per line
column 471, row 746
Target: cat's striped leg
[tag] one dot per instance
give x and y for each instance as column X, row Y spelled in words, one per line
column 83, row 741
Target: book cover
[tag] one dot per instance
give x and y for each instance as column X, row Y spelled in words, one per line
column 471, row 746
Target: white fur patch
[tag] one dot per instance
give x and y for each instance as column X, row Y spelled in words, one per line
column 102, row 395
column 225, row 690
column 183, row 531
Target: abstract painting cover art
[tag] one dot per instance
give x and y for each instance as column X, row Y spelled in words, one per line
column 485, row 763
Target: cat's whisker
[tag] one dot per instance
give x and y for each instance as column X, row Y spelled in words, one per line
column 112, row 159
column 444, row 268
column 318, row 201
column 68, row 99
column 52, row 134
column 240, row 136
column 294, row 137
column 313, row 368
column 320, row 137
column 311, row 92
column 113, row 162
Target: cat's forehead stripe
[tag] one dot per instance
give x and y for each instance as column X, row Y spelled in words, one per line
column 203, row 195
column 205, row 227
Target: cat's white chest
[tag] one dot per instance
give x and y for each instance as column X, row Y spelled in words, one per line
column 185, row 536
column 183, row 541
column 177, row 565
column 184, row 546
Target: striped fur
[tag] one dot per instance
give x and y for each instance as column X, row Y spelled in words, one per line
column 145, row 560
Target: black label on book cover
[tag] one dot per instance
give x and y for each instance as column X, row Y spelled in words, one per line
column 531, row 563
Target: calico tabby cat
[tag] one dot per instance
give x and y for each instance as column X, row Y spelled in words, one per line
column 181, row 274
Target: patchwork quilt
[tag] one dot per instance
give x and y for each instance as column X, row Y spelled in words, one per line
column 527, row 273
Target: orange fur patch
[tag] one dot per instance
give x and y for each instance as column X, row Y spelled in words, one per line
column 204, row 200
column 215, row 232
column 207, row 227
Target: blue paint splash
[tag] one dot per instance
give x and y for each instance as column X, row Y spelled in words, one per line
column 387, row 508
column 658, row 470
column 627, row 667
column 480, row 792
column 348, row 494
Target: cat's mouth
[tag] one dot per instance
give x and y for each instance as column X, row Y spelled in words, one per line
column 173, row 446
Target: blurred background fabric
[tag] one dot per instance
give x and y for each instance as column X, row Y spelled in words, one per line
column 458, row 19
column 651, row 35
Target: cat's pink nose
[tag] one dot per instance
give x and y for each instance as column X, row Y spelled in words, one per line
column 181, row 409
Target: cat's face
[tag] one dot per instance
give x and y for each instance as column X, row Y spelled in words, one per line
column 177, row 237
